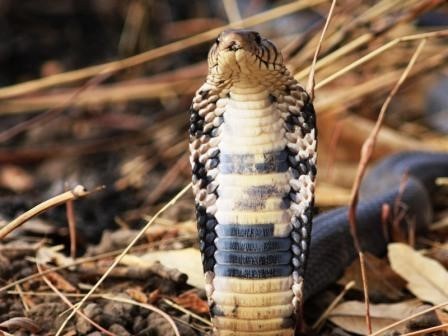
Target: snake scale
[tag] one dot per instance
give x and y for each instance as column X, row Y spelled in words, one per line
column 253, row 143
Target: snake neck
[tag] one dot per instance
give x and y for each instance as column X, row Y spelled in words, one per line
column 253, row 123
column 253, row 155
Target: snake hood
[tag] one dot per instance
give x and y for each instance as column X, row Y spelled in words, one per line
column 253, row 145
column 242, row 53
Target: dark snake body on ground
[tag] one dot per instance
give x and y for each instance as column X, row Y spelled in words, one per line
column 332, row 248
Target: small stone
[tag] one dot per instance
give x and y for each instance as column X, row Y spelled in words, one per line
column 119, row 330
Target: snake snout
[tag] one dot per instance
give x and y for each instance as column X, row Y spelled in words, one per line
column 234, row 40
column 232, row 46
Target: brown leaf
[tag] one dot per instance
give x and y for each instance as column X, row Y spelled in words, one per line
column 137, row 294
column 161, row 232
column 46, row 255
column 427, row 278
column 350, row 315
column 20, row 323
column 442, row 316
column 439, row 253
column 154, row 296
column 190, row 300
column 15, row 179
column 383, row 281
column 60, row 282
column 186, row 260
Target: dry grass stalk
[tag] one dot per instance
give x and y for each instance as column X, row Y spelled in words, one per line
column 25, row 304
column 51, row 113
column 369, row 146
column 380, row 50
column 442, row 181
column 186, row 311
column 428, row 331
column 349, row 46
column 143, row 305
column 114, row 93
column 339, row 100
column 333, row 304
column 365, row 288
column 84, row 260
column 75, row 193
column 167, row 180
column 366, row 154
column 70, row 212
column 410, row 317
column 113, row 67
column 68, row 303
column 311, row 78
column 232, row 11
column 120, row 257
column 52, row 294
column 439, row 225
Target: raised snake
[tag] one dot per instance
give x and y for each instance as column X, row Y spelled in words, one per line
column 253, row 143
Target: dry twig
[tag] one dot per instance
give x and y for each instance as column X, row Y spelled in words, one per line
column 366, row 154
column 410, row 317
column 120, row 257
column 311, row 78
column 70, row 210
column 186, row 311
column 68, row 303
column 333, row 304
column 143, row 305
column 84, row 260
column 75, row 193
column 428, row 331
column 112, row 67
column 380, row 50
column 52, row 112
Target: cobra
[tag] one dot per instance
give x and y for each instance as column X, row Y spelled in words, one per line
column 253, row 155
column 253, row 143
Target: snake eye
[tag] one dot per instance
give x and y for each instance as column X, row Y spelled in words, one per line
column 218, row 40
column 257, row 38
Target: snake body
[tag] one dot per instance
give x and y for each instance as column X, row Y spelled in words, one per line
column 406, row 183
column 253, row 145
column 253, row 156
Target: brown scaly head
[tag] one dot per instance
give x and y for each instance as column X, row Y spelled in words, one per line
column 237, row 53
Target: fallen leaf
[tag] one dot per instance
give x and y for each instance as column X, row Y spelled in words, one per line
column 20, row 323
column 60, row 282
column 439, row 253
column 427, row 279
column 187, row 261
column 154, row 296
column 350, row 315
column 383, row 281
column 442, row 316
column 137, row 294
column 15, row 179
column 161, row 232
column 47, row 255
column 190, row 300
column 39, row 227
